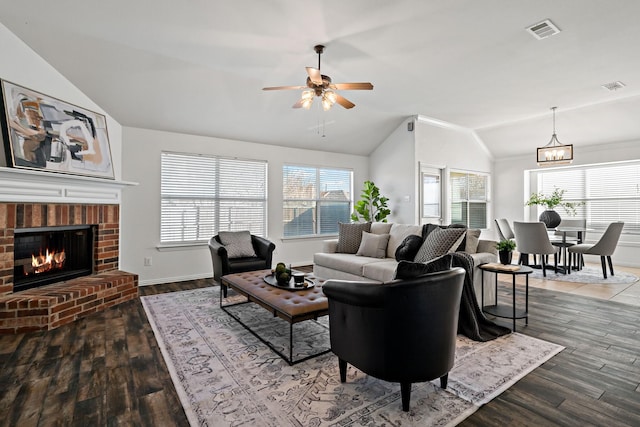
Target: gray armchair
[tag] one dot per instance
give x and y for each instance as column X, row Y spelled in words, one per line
column 402, row 332
column 222, row 264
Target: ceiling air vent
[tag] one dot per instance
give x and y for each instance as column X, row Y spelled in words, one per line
column 614, row 86
column 543, row 29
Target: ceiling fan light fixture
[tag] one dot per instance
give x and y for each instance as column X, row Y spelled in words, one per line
column 554, row 153
column 307, row 99
column 328, row 99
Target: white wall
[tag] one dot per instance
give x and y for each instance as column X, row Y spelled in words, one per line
column 140, row 218
column 452, row 147
column 510, row 192
column 392, row 170
column 22, row 66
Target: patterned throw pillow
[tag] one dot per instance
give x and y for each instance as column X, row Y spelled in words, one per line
column 373, row 245
column 237, row 243
column 439, row 242
column 350, row 236
column 410, row 270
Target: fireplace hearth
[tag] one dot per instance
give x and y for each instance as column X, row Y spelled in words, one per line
column 27, row 306
column 45, row 255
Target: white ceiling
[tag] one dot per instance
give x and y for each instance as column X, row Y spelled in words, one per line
column 198, row 66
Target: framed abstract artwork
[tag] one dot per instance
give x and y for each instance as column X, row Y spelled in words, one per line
column 44, row 133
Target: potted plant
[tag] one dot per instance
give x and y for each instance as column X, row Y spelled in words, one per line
column 372, row 206
column 549, row 216
column 505, row 250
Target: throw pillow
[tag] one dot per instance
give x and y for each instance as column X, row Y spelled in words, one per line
column 408, row 248
column 350, row 236
column 381, row 227
column 440, row 242
column 410, row 270
column 373, row 245
column 237, row 243
column 472, row 238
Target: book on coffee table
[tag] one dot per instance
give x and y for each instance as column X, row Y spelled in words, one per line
column 503, row 267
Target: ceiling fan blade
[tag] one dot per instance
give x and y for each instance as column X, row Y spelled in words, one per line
column 283, row 87
column 314, row 75
column 297, row 104
column 352, row 86
column 344, row 102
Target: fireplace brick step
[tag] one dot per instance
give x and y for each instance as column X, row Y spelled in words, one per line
column 51, row 306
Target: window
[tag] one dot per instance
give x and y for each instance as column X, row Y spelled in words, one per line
column 315, row 200
column 469, row 199
column 202, row 195
column 609, row 192
column 431, row 197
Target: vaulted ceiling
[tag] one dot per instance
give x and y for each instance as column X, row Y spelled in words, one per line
column 198, row 66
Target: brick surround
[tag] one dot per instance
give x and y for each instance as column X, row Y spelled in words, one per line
column 53, row 305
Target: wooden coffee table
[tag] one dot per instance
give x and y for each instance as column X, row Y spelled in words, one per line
column 294, row 306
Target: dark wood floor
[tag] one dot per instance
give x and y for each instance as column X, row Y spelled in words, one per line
column 107, row 369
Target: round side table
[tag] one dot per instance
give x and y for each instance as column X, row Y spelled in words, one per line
column 504, row 310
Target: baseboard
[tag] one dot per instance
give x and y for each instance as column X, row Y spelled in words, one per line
column 173, row 279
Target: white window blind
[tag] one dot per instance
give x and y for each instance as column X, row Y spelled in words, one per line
column 202, row 195
column 315, row 200
column 469, row 199
column 609, row 192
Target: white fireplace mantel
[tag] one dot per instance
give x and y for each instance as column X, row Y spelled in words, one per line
column 24, row 186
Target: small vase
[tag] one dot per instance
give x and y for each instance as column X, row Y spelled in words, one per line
column 550, row 218
column 505, row 257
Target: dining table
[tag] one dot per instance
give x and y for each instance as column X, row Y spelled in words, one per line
column 564, row 245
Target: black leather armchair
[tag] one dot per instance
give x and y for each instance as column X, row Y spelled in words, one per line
column 400, row 332
column 222, row 264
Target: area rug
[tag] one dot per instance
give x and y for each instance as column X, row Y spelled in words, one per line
column 587, row 275
column 226, row 376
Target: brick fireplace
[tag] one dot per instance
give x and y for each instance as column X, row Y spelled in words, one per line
column 53, row 305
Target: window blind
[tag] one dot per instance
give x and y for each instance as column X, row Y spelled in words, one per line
column 315, row 200
column 202, row 195
column 609, row 192
column 469, row 199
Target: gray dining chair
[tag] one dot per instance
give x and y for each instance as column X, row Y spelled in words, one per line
column 532, row 239
column 504, row 229
column 603, row 247
column 571, row 238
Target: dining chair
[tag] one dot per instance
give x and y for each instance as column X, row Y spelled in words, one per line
column 571, row 238
column 504, row 229
column 603, row 247
column 532, row 239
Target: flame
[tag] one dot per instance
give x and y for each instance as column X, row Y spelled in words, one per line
column 48, row 261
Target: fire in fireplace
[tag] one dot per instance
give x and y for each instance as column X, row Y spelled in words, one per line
column 45, row 255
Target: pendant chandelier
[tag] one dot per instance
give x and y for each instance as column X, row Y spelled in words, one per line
column 555, row 153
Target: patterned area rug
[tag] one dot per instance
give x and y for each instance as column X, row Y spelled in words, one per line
column 587, row 275
column 226, row 376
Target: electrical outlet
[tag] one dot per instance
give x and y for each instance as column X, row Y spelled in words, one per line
column 148, row 261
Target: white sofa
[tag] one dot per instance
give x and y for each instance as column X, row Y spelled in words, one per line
column 329, row 264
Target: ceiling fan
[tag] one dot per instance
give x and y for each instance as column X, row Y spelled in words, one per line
column 320, row 85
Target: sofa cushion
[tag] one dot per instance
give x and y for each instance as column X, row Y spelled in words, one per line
column 373, row 245
column 350, row 236
column 439, row 242
column 349, row 263
column 381, row 227
column 410, row 270
column 237, row 243
column 408, row 248
column 397, row 234
column 383, row 271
